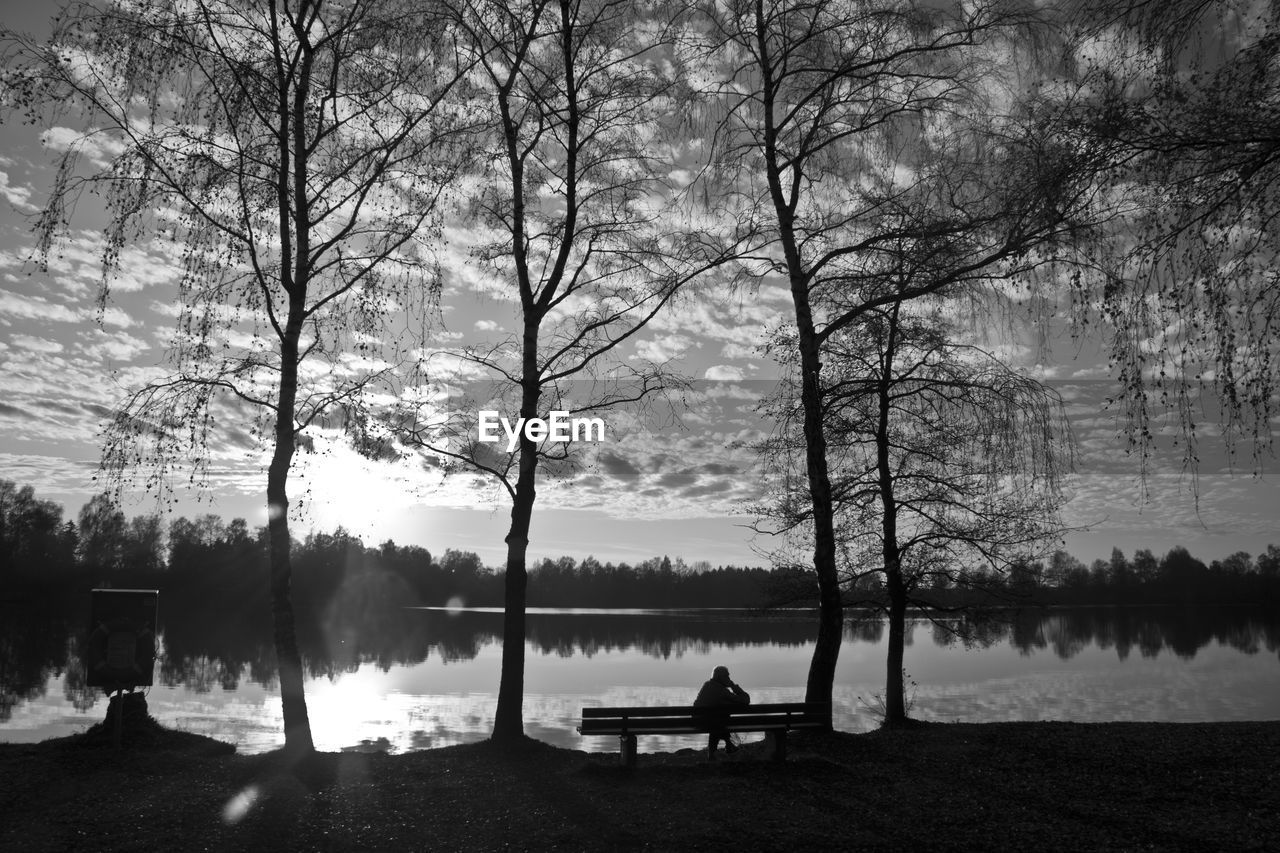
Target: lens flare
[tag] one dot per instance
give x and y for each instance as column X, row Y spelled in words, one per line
column 239, row 805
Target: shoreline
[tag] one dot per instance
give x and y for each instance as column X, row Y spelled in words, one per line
column 960, row 786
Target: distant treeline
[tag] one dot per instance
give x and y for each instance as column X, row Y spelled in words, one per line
column 223, row 565
column 1175, row 578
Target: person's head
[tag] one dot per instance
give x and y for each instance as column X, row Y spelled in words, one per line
column 721, row 674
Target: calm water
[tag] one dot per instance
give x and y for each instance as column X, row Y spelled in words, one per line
column 424, row 678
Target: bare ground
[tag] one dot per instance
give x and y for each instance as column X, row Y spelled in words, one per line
column 1014, row 786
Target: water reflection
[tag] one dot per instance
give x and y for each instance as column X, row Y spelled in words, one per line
column 1069, row 631
column 656, row 633
column 385, row 676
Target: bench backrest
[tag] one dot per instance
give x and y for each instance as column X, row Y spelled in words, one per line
column 686, row 717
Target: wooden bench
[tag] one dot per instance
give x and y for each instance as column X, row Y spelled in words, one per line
column 774, row 720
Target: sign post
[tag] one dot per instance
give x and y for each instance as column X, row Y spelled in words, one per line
column 121, row 652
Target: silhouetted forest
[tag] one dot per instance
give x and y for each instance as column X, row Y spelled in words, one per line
column 221, row 567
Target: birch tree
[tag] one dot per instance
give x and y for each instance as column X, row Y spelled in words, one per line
column 849, row 132
column 574, row 230
column 1183, row 94
column 296, row 151
column 947, row 468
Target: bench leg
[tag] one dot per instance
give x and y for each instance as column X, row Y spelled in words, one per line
column 628, row 750
column 777, row 740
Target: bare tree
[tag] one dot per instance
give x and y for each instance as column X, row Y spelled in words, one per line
column 946, row 466
column 296, row 151
column 574, row 225
column 854, row 132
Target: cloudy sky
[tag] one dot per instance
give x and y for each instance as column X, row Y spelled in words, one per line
column 677, row 480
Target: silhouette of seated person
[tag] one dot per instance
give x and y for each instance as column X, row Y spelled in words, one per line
column 716, row 695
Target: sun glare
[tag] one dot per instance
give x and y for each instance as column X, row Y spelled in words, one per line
column 335, row 486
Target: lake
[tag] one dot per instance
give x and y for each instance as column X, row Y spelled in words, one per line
column 425, row 677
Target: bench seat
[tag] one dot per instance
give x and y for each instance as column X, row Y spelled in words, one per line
column 775, row 720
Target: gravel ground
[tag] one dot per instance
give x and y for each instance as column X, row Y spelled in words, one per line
column 1014, row 786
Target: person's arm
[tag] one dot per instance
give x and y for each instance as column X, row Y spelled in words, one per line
column 738, row 695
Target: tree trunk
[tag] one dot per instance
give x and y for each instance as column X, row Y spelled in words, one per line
column 508, row 719
column 895, row 708
column 826, row 650
column 297, row 724
column 895, row 711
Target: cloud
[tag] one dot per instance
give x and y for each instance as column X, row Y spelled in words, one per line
column 115, row 317
column 143, row 268
column 166, row 309
column 100, row 149
column 35, row 418
column 1176, row 510
column 733, row 391
column 114, row 346
column 676, row 479
column 445, row 366
column 719, row 316
column 617, row 467
column 443, row 336
column 74, row 270
column 654, row 468
column 737, row 350
column 19, row 197
column 59, row 474
column 14, row 306
column 724, row 373
column 664, row 349
column 487, row 326
column 22, row 307
column 715, row 487
column 34, row 344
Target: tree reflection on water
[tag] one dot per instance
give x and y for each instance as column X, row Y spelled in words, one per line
column 1150, row 630
column 206, row 648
